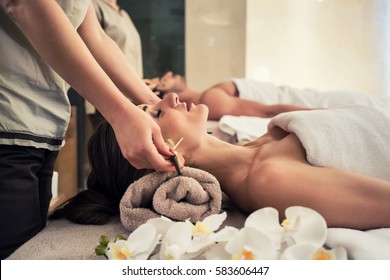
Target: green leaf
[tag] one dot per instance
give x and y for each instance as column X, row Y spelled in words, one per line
column 104, row 240
column 100, row 250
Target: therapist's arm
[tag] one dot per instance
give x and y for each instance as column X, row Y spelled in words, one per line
column 55, row 39
column 112, row 59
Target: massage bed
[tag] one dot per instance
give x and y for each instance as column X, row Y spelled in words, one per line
column 64, row 240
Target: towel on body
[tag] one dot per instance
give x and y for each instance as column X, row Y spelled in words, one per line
column 250, row 128
column 194, row 195
column 268, row 93
column 352, row 138
column 245, row 128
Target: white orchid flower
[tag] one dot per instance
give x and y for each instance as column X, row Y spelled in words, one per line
column 176, row 241
column 305, row 225
column 161, row 224
column 204, row 233
column 251, row 244
column 217, row 252
column 138, row 246
column 307, row 251
column 247, row 244
column 301, row 235
column 301, row 225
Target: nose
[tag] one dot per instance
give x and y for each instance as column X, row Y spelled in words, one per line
column 167, row 75
column 172, row 99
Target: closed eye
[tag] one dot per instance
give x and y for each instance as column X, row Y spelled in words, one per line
column 158, row 114
column 155, row 114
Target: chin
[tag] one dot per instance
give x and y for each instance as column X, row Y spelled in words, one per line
column 203, row 108
column 204, row 111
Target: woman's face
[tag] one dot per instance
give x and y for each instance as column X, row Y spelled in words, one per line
column 178, row 119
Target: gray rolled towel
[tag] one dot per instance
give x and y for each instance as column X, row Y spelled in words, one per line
column 194, row 196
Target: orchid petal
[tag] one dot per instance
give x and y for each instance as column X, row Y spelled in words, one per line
column 161, row 225
column 142, row 238
column 118, row 250
column 309, row 251
column 176, row 241
column 196, row 246
column 224, row 234
column 305, row 225
column 253, row 241
column 217, row 252
column 300, row 251
column 213, row 222
column 267, row 221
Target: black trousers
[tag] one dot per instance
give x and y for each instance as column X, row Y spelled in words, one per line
column 25, row 194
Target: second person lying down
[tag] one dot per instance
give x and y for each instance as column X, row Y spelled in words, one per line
column 246, row 97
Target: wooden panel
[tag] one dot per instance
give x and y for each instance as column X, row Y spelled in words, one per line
column 66, row 165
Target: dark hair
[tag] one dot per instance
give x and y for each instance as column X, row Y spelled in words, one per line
column 110, row 176
column 164, row 92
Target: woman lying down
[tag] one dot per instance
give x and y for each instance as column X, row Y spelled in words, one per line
column 334, row 161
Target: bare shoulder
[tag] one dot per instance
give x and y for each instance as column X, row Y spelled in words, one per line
column 220, row 102
column 227, row 87
column 278, row 158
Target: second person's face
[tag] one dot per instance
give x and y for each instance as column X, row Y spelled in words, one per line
column 171, row 82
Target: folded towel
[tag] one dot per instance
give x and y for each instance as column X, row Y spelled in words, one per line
column 194, row 195
column 352, row 138
column 245, row 128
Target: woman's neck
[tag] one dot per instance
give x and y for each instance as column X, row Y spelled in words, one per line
column 227, row 162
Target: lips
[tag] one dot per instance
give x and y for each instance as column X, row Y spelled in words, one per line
column 187, row 107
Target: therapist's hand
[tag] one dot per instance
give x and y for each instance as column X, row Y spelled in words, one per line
column 152, row 84
column 141, row 141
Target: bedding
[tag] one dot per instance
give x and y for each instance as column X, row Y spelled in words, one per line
column 268, row 93
column 351, row 138
column 63, row 240
column 361, row 245
column 213, row 128
column 243, row 128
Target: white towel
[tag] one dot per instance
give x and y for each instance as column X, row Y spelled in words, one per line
column 244, row 127
column 268, row 93
column 361, row 245
column 353, row 138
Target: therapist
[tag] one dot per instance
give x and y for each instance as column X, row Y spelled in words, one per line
column 47, row 45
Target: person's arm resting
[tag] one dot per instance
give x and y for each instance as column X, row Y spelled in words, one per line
column 220, row 103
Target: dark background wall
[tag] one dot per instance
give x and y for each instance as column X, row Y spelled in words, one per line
column 161, row 27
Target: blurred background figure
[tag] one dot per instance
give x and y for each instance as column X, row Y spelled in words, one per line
column 118, row 25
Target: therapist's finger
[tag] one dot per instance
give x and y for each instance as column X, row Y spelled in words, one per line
column 163, row 151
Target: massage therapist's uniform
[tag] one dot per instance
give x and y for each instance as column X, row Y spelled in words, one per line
column 35, row 113
column 121, row 29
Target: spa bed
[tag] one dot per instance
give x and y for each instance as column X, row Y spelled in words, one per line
column 63, row 240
